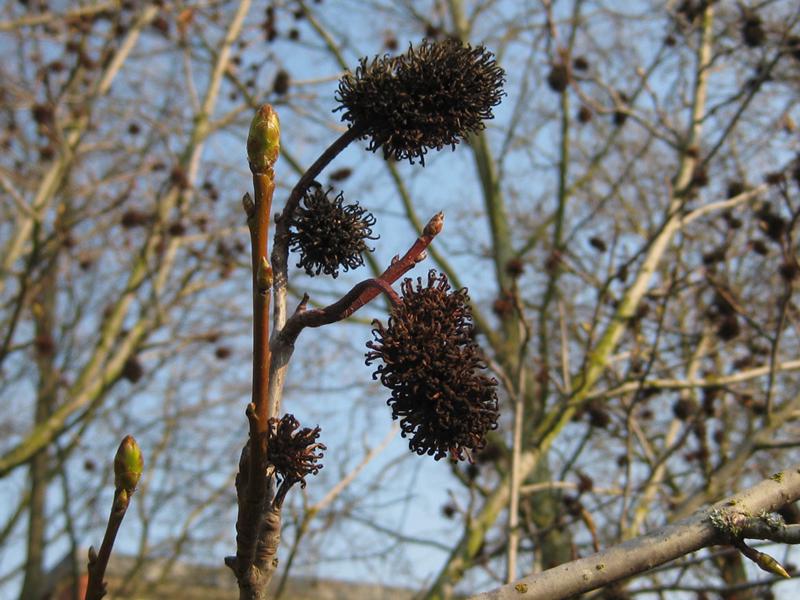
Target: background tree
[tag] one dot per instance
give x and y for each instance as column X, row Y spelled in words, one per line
column 625, row 227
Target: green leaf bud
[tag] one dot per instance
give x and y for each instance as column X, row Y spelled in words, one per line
column 128, row 465
column 263, row 140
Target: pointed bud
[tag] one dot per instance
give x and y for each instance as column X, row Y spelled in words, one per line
column 128, row 465
column 435, row 225
column 263, row 140
column 248, row 205
column 92, row 555
column 770, row 565
column 264, row 275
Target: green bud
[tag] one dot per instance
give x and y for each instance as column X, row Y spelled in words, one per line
column 128, row 465
column 263, row 140
column 264, row 275
column 770, row 565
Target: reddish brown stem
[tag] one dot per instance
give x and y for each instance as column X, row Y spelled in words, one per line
column 264, row 187
column 96, row 587
column 362, row 292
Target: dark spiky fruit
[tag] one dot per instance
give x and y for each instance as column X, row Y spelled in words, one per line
column 558, row 78
column 329, row 234
column 621, row 112
column 793, row 46
column 515, row 267
column 444, row 401
column 728, row 328
column 598, row 244
column 735, row 188
column 281, row 83
column 579, row 63
column 292, row 451
column 752, row 30
column 135, row 218
column 431, row 97
column 132, row 370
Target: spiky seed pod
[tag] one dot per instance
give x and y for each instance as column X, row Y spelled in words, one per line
column 585, row 483
column 728, row 328
column 280, row 85
column 598, row 416
column 132, row 370
column 431, row 97
column 329, row 234
column 683, row 408
column 294, row 453
column 515, row 267
column 584, row 114
column 795, row 169
column 598, row 244
column 222, row 352
column 759, row 247
column 135, row 218
column 735, row 188
column 793, row 46
column 579, row 63
column 44, row 344
column 558, row 77
column 42, row 114
column 775, row 178
column 434, row 370
column 621, row 114
column 752, row 30
column 789, row 270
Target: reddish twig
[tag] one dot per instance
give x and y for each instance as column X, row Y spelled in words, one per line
column 362, row 292
column 128, row 466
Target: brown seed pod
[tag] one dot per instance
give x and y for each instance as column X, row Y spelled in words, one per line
column 579, row 63
column 759, row 247
column 584, row 114
column 132, row 370
column 728, row 328
column 222, row 352
column 735, row 188
column 621, row 114
column 558, row 77
column 753, row 30
column 598, row 244
column 598, row 416
column 429, row 361
column 293, row 452
column 515, row 267
column 431, row 97
column 789, row 270
column 329, row 234
column 683, row 408
column 135, row 218
column 44, row 344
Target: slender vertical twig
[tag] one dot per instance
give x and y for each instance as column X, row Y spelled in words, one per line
column 128, row 466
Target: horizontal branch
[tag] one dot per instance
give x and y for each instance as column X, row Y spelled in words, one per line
column 656, row 548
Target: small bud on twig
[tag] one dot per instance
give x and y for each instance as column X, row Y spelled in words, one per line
column 263, row 140
column 264, row 276
column 128, row 465
column 434, row 226
column 248, row 205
